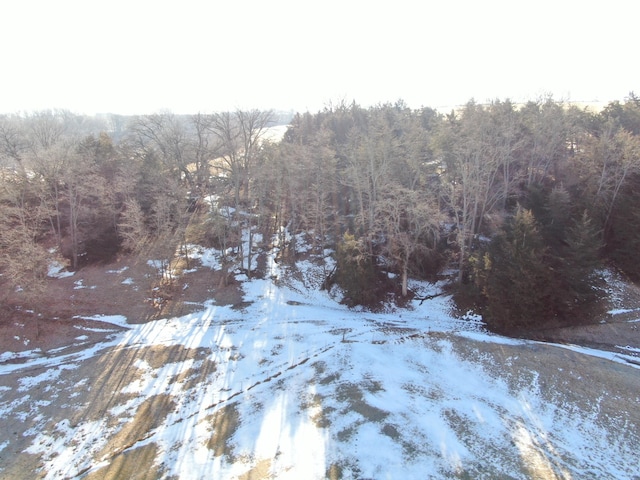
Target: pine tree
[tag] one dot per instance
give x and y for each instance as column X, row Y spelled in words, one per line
column 515, row 277
column 355, row 272
column 558, row 216
column 581, row 260
column 623, row 239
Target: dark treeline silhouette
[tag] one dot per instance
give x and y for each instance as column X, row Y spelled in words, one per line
column 523, row 202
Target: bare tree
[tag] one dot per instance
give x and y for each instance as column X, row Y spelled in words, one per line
column 167, row 136
column 132, row 228
column 205, row 149
column 84, row 193
column 239, row 135
column 24, row 261
column 225, row 235
column 547, row 131
column 476, row 176
column 47, row 127
column 409, row 220
column 604, row 164
column 370, row 156
column 14, row 143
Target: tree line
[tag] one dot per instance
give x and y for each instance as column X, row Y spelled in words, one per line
column 524, row 202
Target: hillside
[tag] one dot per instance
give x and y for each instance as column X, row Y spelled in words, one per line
column 272, row 378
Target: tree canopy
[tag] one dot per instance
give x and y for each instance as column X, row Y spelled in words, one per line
column 523, row 202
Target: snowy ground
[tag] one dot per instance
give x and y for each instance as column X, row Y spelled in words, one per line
column 293, row 385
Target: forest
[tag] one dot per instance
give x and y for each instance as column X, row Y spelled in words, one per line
column 521, row 204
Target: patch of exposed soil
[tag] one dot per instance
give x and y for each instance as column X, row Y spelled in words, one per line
column 259, row 472
column 128, row 287
column 116, row 289
column 150, row 414
column 224, row 422
column 138, row 464
column 20, row 331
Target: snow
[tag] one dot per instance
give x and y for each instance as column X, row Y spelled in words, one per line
column 208, row 257
column 317, row 386
column 56, row 270
column 492, row 338
column 119, row 320
column 619, row 311
column 27, row 383
column 119, row 270
column 79, row 285
column 629, row 360
column 628, row 348
column 13, row 356
column 275, row 133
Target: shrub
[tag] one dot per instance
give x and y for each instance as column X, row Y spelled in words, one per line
column 356, row 273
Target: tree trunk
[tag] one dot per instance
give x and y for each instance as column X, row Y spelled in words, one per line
column 405, row 277
column 249, row 248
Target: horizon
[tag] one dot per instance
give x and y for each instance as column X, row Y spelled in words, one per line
column 594, row 105
column 146, row 57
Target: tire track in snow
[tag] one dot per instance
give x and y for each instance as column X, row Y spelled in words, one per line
column 265, row 380
column 150, row 434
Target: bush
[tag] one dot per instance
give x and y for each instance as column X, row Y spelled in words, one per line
column 356, row 272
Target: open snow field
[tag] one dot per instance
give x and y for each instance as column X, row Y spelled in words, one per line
column 290, row 384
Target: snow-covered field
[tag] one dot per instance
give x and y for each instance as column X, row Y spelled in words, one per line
column 293, row 385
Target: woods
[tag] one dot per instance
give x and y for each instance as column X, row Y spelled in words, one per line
column 523, row 202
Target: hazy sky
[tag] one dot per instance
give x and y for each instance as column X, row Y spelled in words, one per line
column 142, row 56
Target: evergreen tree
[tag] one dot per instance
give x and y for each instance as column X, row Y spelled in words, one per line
column 623, row 241
column 581, row 260
column 355, row 272
column 514, row 276
column 558, row 215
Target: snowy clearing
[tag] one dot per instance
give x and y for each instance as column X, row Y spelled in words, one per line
column 290, row 384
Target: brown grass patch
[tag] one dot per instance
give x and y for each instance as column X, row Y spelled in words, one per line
column 259, row 472
column 225, row 422
column 135, row 464
column 149, row 415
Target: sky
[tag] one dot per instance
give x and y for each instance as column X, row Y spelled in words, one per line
column 188, row 56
